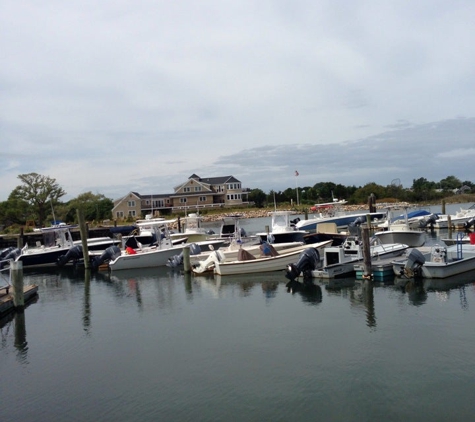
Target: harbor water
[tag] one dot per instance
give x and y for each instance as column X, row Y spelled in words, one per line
column 157, row 344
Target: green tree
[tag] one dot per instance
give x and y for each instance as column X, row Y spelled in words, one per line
column 257, row 196
column 450, row 183
column 14, row 211
column 94, row 206
column 40, row 192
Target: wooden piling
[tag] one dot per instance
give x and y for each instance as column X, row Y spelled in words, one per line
column 16, row 275
column 21, row 239
column 443, row 206
column 186, row 260
column 83, row 232
column 449, row 225
column 366, row 253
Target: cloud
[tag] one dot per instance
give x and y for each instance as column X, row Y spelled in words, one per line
column 121, row 96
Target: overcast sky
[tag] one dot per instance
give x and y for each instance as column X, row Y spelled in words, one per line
column 114, row 96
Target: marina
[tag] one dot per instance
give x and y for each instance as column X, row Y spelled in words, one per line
column 161, row 344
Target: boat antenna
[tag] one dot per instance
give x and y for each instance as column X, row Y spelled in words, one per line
column 52, row 210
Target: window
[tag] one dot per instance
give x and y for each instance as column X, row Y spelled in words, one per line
column 233, row 196
column 183, row 200
column 187, row 189
column 132, row 213
column 120, row 214
column 197, row 188
column 131, row 204
column 202, row 198
column 233, row 186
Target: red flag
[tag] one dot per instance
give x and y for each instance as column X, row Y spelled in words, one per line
column 296, row 173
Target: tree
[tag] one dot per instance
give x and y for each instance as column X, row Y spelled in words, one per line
column 95, row 207
column 257, row 196
column 37, row 190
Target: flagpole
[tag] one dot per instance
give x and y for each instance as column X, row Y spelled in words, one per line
column 296, row 188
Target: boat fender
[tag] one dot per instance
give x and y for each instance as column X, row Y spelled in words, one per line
column 130, row 251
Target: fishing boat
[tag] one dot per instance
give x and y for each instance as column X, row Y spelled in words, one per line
column 333, row 212
column 135, row 255
column 282, row 229
column 340, row 260
column 248, row 264
column 437, row 261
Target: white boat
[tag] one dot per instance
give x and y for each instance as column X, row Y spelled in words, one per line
column 400, row 231
column 460, row 218
column 217, row 263
column 192, row 229
column 333, row 212
column 232, row 252
column 438, row 261
column 231, row 230
column 139, row 256
column 282, row 229
column 340, row 260
column 465, row 238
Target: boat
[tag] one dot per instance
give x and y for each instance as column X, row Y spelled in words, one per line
column 192, row 229
column 326, row 231
column 415, row 219
column 57, row 241
column 340, row 260
column 333, row 212
column 232, row 253
column 136, row 255
column 463, row 238
column 401, row 231
column 248, row 264
column 282, row 229
column 437, row 261
column 460, row 219
column 232, row 231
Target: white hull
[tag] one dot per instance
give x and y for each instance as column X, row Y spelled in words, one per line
column 259, row 265
column 411, row 238
column 443, row 266
column 152, row 257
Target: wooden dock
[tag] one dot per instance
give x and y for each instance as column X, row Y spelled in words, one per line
column 6, row 297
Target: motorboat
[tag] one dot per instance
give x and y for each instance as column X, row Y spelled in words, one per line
column 57, row 241
column 459, row 219
column 232, row 231
column 282, row 229
column 401, row 231
column 135, row 255
column 192, row 229
column 248, row 264
column 340, row 260
column 437, row 261
column 232, row 253
column 333, row 212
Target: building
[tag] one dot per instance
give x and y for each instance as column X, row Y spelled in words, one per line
column 193, row 194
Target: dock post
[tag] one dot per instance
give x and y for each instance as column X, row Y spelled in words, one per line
column 443, row 206
column 83, row 232
column 186, row 259
column 366, row 254
column 21, row 239
column 449, row 225
column 16, row 275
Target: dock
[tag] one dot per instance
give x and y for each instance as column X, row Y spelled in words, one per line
column 381, row 269
column 6, row 297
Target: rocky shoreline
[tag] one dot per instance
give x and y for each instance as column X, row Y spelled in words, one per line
column 265, row 212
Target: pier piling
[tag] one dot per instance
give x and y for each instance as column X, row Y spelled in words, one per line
column 16, row 275
column 83, row 231
column 186, row 260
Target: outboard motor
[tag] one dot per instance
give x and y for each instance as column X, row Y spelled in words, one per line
column 309, row 260
column 177, row 260
column 429, row 221
column 73, row 254
column 415, row 261
column 111, row 253
column 469, row 223
column 294, row 221
column 354, row 226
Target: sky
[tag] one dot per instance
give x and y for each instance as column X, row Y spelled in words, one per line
column 117, row 96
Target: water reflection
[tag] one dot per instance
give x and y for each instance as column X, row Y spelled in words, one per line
column 309, row 291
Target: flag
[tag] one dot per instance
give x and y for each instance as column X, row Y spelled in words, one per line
column 296, row 173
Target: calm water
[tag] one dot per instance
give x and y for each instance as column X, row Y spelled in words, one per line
column 157, row 345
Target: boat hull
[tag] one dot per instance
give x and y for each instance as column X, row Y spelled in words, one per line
column 342, row 221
